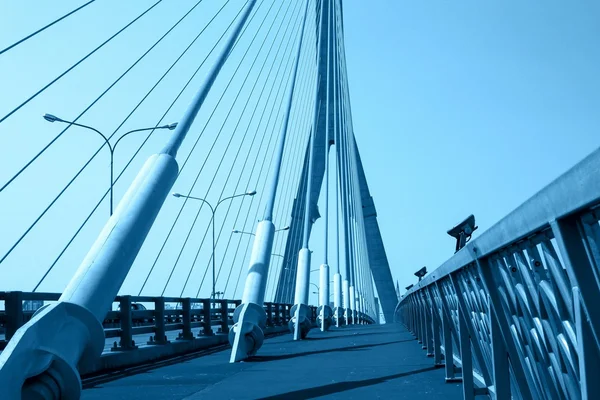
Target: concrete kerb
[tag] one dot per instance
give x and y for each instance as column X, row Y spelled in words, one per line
column 110, row 361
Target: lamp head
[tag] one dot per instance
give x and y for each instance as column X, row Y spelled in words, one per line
column 409, row 287
column 421, row 273
column 286, row 228
column 463, row 231
column 51, row 118
column 176, row 194
column 236, row 231
column 172, row 126
column 252, row 193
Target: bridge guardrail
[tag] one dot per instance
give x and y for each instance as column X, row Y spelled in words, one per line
column 517, row 311
column 126, row 322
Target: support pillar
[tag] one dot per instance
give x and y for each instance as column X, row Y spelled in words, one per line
column 352, row 306
column 300, row 313
column 246, row 335
column 346, row 301
column 324, row 312
column 338, row 310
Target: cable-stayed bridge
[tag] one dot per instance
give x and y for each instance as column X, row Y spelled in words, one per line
column 168, row 201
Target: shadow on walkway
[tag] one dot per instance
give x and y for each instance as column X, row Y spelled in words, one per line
column 308, row 353
column 340, row 333
column 333, row 388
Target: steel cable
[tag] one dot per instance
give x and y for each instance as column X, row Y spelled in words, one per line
column 97, row 151
column 232, row 136
column 194, row 147
column 18, row 42
column 142, row 144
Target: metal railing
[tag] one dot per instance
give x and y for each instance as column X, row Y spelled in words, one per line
column 516, row 313
column 131, row 320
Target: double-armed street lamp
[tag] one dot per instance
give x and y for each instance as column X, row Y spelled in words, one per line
column 212, row 219
column 111, row 147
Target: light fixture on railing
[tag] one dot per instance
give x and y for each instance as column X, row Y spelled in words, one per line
column 421, row 273
column 463, row 231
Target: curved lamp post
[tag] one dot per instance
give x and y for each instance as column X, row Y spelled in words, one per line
column 253, row 234
column 53, row 118
column 212, row 219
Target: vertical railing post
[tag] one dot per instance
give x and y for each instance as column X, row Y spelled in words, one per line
column 462, row 306
column 421, row 324
column 413, row 315
column 224, row 316
column 521, row 376
column 277, row 320
column 587, row 351
column 206, row 318
column 466, row 358
column 448, row 349
column 269, row 314
column 13, row 306
column 186, row 315
column 437, row 351
column 160, row 333
column 574, row 239
column 500, row 367
column 126, row 321
column 428, row 325
column 447, row 326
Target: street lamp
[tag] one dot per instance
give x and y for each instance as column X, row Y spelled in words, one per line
column 253, row 234
column 243, row 232
column 312, row 270
column 53, row 118
column 421, row 273
column 212, row 219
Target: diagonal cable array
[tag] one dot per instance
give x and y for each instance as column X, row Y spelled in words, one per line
column 40, row 30
column 61, row 75
column 334, row 126
column 270, row 126
column 230, row 150
column 165, row 74
column 113, row 84
column 147, row 137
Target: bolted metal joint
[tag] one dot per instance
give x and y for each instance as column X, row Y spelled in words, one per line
column 246, row 335
column 324, row 317
column 47, row 364
column 300, row 323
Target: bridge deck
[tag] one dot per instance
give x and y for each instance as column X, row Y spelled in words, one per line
column 363, row 362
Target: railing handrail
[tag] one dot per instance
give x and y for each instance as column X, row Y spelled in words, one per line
column 573, row 191
column 53, row 296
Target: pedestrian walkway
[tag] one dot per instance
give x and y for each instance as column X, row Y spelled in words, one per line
column 358, row 362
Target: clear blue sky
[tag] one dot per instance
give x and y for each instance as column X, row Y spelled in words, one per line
column 458, row 108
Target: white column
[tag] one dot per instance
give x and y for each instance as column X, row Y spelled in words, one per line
column 324, row 308
column 337, row 298
column 300, row 322
column 352, row 305
column 246, row 335
column 346, row 300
